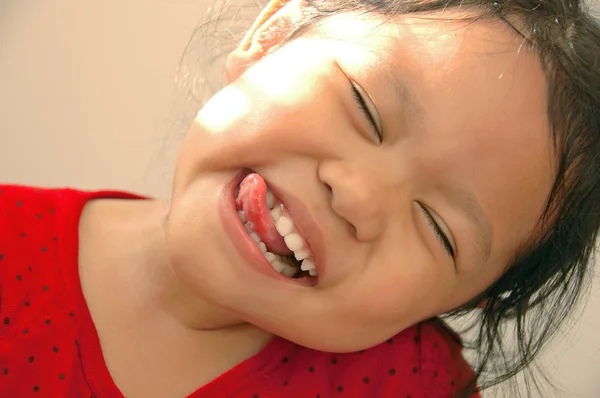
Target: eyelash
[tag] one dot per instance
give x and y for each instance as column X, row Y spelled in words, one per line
column 360, row 101
column 439, row 233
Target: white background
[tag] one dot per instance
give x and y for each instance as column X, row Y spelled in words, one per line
column 86, row 101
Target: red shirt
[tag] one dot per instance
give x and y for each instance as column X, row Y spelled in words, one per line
column 49, row 346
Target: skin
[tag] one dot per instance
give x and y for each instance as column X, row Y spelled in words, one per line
column 477, row 124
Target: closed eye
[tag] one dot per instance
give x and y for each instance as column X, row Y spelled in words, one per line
column 439, row 233
column 362, row 105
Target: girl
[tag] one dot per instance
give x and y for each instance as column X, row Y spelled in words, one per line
column 370, row 166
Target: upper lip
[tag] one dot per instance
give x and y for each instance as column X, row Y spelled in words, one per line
column 304, row 222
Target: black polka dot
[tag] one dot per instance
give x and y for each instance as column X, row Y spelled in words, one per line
column 27, row 304
column 340, row 388
column 76, row 343
column 19, row 203
column 55, row 349
column 366, row 380
column 47, row 322
column 46, row 288
column 409, row 396
column 417, row 339
column 31, row 359
column 36, row 388
column 392, row 371
column 334, row 360
column 284, row 360
column 71, row 314
column 415, row 370
column 6, row 320
column 436, row 345
column 434, row 374
column 25, row 331
column 44, row 249
column 51, row 210
column 39, row 216
column 55, row 238
column 318, row 396
column 389, row 341
column 30, row 269
column 23, row 235
column 5, row 371
column 285, row 383
column 311, row 369
column 19, row 278
column 1, row 257
column 452, row 382
column 61, row 376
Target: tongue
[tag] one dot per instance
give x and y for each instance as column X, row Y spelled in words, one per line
column 252, row 201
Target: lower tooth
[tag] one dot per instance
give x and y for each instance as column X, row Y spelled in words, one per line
column 262, row 246
column 279, row 267
column 312, row 272
column 255, row 237
column 241, row 216
column 270, row 257
column 288, row 271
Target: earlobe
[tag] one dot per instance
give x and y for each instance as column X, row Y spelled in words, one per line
column 271, row 26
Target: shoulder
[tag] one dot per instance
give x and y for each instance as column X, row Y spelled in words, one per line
column 422, row 361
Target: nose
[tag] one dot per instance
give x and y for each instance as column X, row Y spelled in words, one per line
column 356, row 196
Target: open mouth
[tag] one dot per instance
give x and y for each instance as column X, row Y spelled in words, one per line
column 271, row 227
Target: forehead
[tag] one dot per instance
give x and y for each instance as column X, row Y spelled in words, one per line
column 481, row 96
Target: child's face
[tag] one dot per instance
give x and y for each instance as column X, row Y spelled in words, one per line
column 462, row 109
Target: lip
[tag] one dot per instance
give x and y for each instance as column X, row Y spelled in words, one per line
column 245, row 246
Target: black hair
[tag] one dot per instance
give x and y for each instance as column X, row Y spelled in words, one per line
column 512, row 320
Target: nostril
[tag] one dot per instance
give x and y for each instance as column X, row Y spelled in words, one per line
column 352, row 229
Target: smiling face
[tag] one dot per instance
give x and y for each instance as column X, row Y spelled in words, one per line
column 411, row 208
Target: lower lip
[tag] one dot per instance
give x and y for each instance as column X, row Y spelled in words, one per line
column 245, row 246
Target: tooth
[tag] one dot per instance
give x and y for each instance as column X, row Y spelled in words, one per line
column 248, row 228
column 301, row 254
column 270, row 256
column 254, row 237
column 241, row 216
column 288, row 271
column 276, row 213
column 278, row 266
column 307, row 265
column 236, row 192
column 284, row 226
column 312, row 272
column 294, row 242
column 270, row 200
column 262, row 246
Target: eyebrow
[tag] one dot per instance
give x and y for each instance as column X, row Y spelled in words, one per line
column 403, row 92
column 483, row 228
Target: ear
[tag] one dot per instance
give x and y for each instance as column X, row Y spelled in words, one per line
column 267, row 31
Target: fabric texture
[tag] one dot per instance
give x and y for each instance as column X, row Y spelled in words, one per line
column 49, row 346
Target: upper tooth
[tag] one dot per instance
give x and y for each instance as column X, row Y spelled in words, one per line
column 284, row 226
column 276, row 213
column 270, row 200
column 294, row 242
column 307, row 265
column 301, row 254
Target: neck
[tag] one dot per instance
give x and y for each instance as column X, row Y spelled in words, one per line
column 138, row 272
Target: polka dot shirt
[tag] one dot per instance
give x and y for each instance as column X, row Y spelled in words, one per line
column 49, row 346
